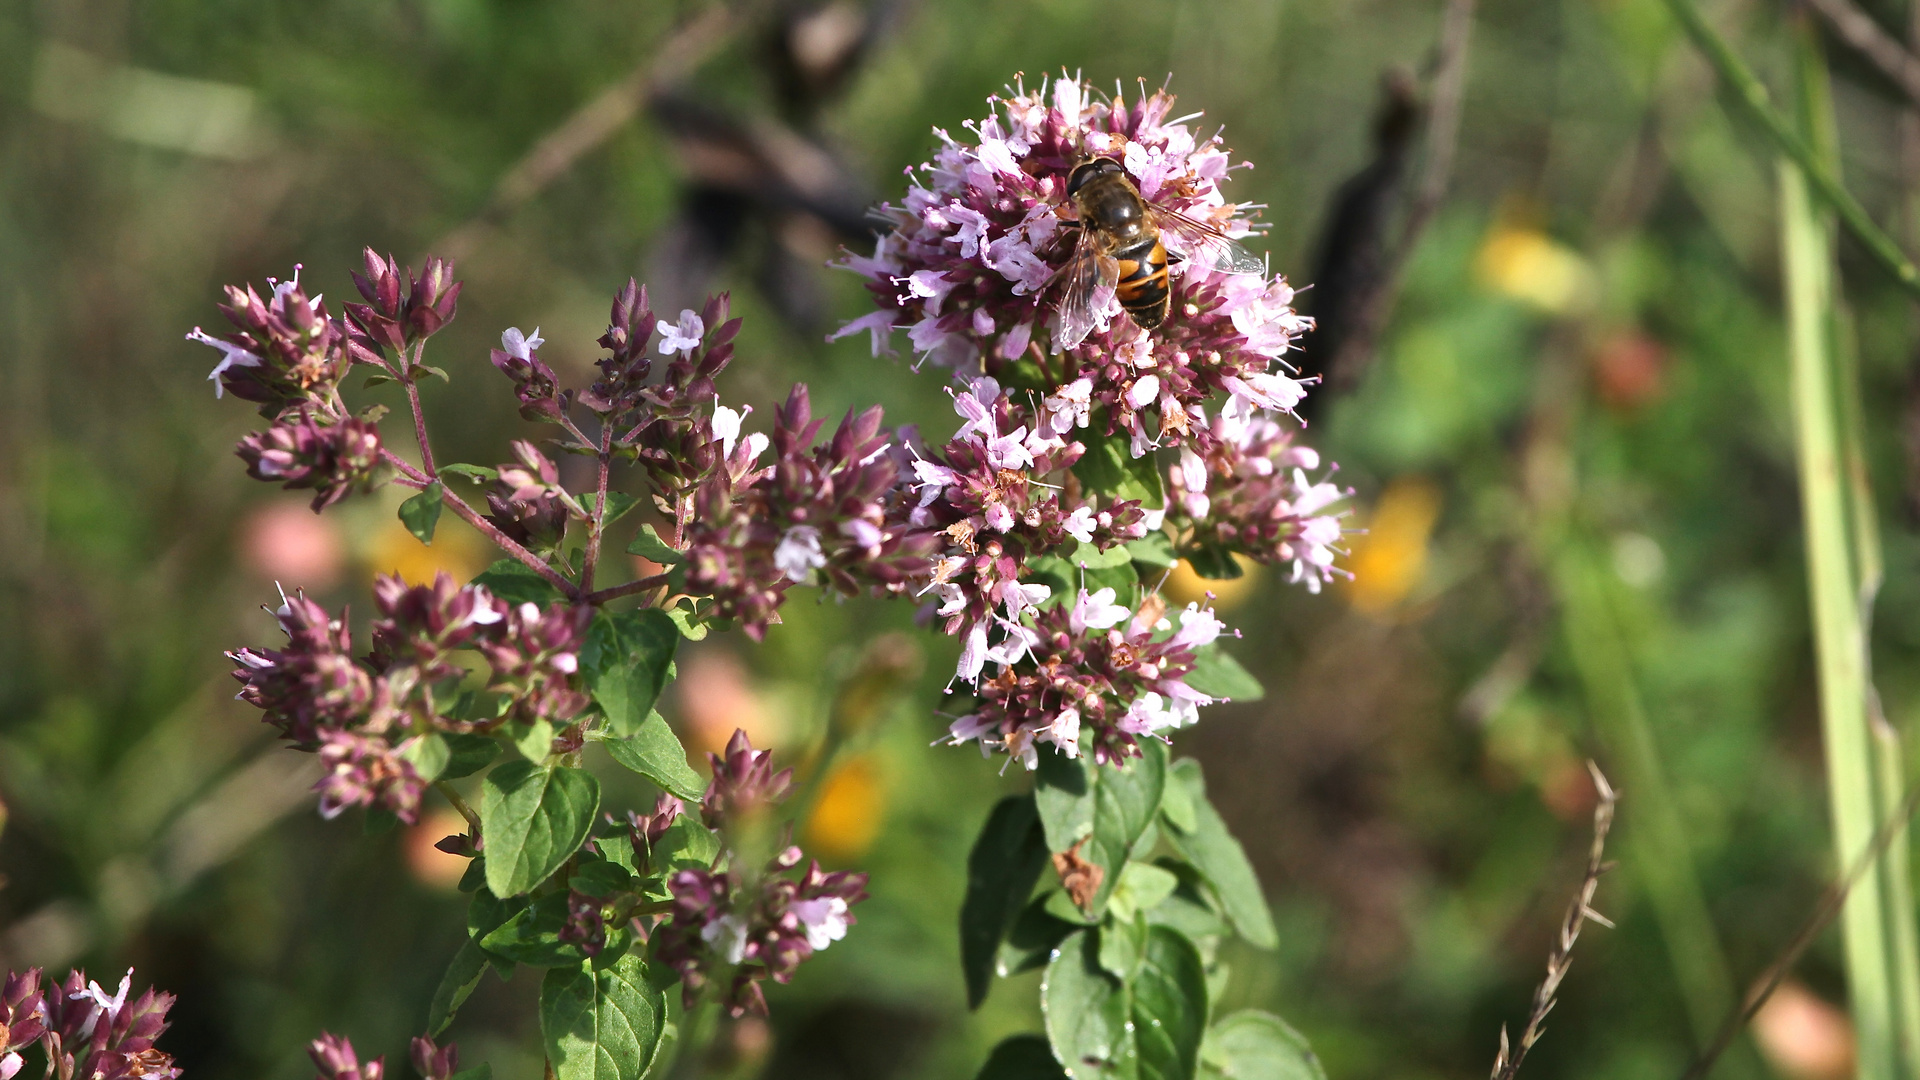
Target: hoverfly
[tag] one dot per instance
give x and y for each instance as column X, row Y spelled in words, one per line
column 1120, row 248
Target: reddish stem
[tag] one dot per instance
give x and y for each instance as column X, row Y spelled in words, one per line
column 419, row 418
column 598, row 526
column 628, row 589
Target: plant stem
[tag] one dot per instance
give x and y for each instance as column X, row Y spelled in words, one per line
column 1752, row 93
column 1838, row 580
column 407, row 379
column 631, row 587
column 460, row 804
column 598, row 523
column 508, row 544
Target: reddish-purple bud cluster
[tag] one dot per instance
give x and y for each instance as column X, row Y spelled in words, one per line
column 834, row 513
column 84, row 1031
column 287, row 352
column 743, row 782
column 335, row 458
column 389, row 321
column 721, row 924
column 434, row 1062
column 645, row 830
column 1092, row 676
column 527, row 502
column 334, row 1056
column 361, row 715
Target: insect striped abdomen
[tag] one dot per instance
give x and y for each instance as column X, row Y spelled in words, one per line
column 1142, row 287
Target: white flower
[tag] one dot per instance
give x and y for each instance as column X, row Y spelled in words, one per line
column 975, row 406
column 9, row 1065
column 1064, row 732
column 879, row 324
column 1268, row 390
column 683, row 338
column 825, row 919
column 1009, row 451
column 1068, row 407
column 973, row 655
column 968, row 728
column 520, row 346
column 234, row 356
column 728, row 936
column 103, row 1005
column 1143, row 391
column 1198, row 628
column 726, row 427
column 1079, row 524
column 799, row 553
column 999, row 518
column 1097, row 611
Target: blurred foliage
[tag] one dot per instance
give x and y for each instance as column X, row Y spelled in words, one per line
column 1582, row 389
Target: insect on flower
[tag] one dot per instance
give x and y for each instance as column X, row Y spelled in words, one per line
column 1121, row 250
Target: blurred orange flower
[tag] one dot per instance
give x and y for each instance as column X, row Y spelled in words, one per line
column 847, row 816
column 1390, row 558
column 1804, row 1037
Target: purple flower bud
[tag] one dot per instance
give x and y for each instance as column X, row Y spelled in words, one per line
column 586, row 924
column 333, row 1055
column 743, row 781
column 527, row 501
column 434, row 1062
column 287, row 353
column 433, row 299
column 23, row 1010
column 335, row 459
column 645, row 830
column 313, row 683
column 366, row 770
column 535, row 655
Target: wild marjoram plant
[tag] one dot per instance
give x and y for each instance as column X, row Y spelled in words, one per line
column 1037, row 534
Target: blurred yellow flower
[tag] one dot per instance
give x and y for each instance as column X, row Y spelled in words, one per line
column 1531, row 266
column 846, row 817
column 432, row 867
column 1390, row 557
column 1184, row 586
column 457, row 549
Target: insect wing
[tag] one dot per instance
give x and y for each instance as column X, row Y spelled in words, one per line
column 1091, row 278
column 1206, row 244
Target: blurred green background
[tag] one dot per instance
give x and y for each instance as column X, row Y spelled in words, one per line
column 1572, row 457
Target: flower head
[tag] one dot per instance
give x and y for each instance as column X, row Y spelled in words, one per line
column 335, row 459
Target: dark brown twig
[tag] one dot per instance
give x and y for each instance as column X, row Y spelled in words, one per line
column 1449, row 82
column 1859, row 30
column 594, row 123
column 1829, row 907
column 1507, row 1062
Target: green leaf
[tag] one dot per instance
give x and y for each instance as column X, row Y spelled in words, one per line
column 1034, row 935
column 686, row 845
column 475, row 473
column 618, row 504
column 1092, row 558
column 1154, row 550
column 516, row 583
column 377, row 380
column 1169, row 1006
column 429, row 754
column 625, row 661
column 601, row 877
column 1176, row 805
column 1217, row 674
column 462, row 976
column 655, row 752
column 468, row 754
column 1188, row 909
column 1255, row 1045
column 1110, row 468
column 1123, row 941
column 1142, row 887
column 602, row 1025
column 1212, row 561
column 486, row 912
column 532, row 936
column 421, row 513
column 692, row 625
column 1002, row 868
column 534, row 818
column 1222, row 861
column 534, row 740
column 649, row 545
column 1021, row 1057
column 434, row 371
column 1109, row 805
column 379, row 820
column 482, row 1071
column 1086, row 1013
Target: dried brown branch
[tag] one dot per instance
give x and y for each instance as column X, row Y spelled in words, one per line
column 1443, row 110
column 595, row 122
column 1507, row 1062
column 1829, row 907
column 1859, row 30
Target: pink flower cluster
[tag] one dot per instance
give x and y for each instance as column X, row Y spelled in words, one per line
column 1093, row 676
column 1246, row 491
column 362, row 715
column 747, row 927
column 86, row 1033
column 972, row 269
